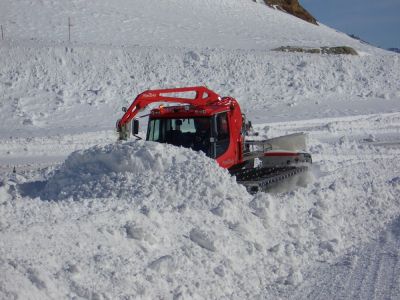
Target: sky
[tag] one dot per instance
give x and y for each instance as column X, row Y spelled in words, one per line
column 374, row 21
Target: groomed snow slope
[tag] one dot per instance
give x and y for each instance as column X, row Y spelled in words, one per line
column 227, row 24
column 141, row 220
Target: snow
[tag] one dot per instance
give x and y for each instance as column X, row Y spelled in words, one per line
column 290, row 231
column 84, row 217
column 89, row 91
column 139, row 170
column 183, row 224
column 369, row 272
column 227, row 24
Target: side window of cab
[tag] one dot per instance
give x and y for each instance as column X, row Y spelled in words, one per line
column 222, row 127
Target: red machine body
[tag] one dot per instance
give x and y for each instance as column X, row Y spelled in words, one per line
column 215, row 125
column 204, row 104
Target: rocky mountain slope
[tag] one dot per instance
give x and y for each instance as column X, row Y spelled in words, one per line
column 292, row 7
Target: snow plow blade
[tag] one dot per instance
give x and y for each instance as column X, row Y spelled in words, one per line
column 291, row 142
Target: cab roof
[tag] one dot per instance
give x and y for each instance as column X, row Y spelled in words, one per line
column 187, row 111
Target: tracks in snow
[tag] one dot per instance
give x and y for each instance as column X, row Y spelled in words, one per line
column 366, row 147
column 372, row 272
column 376, row 129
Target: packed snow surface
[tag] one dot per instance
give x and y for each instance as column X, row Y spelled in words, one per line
column 85, row 217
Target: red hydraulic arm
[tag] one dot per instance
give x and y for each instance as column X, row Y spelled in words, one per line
column 203, row 96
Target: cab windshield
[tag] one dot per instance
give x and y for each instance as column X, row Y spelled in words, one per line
column 192, row 133
column 207, row 134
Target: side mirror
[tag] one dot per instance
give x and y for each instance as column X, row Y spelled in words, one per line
column 124, row 109
column 135, row 126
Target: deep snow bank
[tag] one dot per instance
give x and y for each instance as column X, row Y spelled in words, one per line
column 174, row 223
column 143, row 171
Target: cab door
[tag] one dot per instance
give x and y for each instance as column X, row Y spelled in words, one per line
column 222, row 139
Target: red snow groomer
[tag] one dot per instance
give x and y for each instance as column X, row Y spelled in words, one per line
column 216, row 126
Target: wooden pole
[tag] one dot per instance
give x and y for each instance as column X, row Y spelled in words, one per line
column 69, row 29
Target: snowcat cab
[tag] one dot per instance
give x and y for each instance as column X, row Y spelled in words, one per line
column 201, row 128
column 216, row 126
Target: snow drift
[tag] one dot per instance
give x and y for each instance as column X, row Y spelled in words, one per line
column 143, row 170
column 150, row 220
column 58, row 90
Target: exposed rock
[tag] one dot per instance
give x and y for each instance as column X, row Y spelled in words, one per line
column 397, row 50
column 292, row 7
column 322, row 50
column 358, row 38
